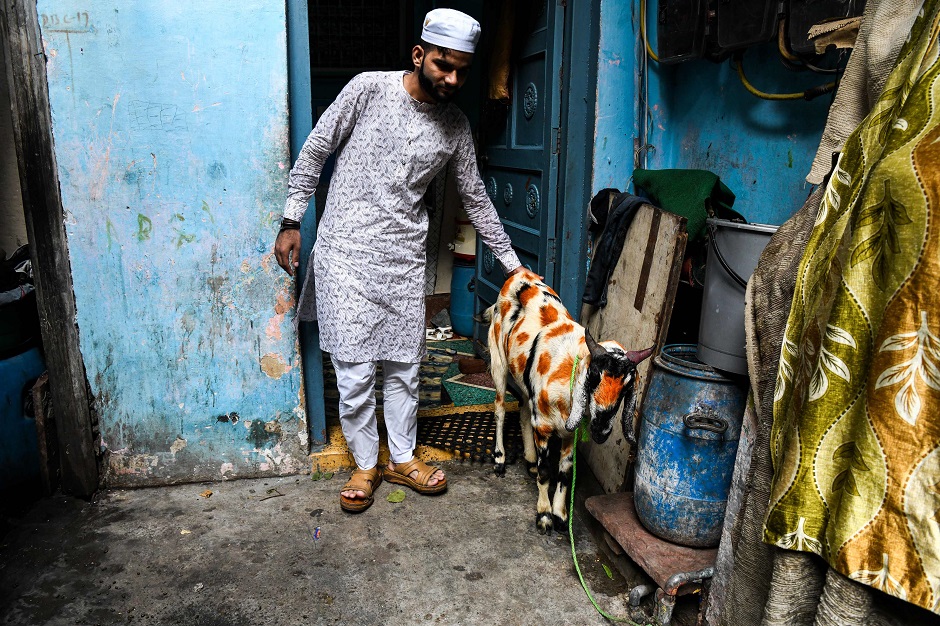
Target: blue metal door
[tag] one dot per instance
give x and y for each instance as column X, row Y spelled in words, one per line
column 520, row 161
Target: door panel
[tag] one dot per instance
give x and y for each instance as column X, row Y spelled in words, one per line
column 520, row 156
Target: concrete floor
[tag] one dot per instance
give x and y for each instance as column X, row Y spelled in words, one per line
column 240, row 557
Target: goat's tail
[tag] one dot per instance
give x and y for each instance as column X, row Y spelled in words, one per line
column 485, row 316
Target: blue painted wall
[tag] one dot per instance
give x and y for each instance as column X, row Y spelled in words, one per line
column 701, row 117
column 617, row 105
column 171, row 133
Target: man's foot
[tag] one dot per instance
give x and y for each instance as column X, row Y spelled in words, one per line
column 357, row 493
column 418, row 475
column 436, row 477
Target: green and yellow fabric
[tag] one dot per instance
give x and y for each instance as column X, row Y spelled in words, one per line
column 856, row 432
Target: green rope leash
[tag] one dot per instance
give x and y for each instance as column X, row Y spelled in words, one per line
column 581, row 434
column 574, row 369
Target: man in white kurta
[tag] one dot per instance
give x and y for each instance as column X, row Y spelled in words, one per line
column 392, row 132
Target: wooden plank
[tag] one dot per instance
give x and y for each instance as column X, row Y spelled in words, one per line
column 48, row 442
column 45, row 225
column 640, row 296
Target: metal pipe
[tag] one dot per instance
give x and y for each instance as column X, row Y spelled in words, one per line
column 665, row 603
column 677, row 580
column 638, row 593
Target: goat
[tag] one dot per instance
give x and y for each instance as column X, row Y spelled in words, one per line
column 563, row 374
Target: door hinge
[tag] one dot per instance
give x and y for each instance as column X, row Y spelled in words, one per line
column 556, row 149
column 550, row 253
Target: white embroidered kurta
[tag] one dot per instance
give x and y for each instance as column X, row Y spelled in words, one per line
column 365, row 279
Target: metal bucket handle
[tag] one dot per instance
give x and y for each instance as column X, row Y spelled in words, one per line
column 712, row 230
column 705, row 420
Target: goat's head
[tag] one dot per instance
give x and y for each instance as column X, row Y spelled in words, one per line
column 608, row 385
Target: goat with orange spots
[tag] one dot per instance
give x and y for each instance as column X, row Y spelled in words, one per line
column 563, row 375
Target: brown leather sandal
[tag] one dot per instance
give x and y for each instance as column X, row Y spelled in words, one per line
column 366, row 481
column 400, row 476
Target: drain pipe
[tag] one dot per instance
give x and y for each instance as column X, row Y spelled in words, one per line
column 638, row 593
column 666, row 598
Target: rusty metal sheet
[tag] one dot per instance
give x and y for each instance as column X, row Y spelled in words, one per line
column 659, row 558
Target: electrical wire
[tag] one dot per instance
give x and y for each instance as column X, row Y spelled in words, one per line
column 782, row 42
column 761, row 94
column 645, row 113
column 809, row 94
column 646, row 42
column 822, row 70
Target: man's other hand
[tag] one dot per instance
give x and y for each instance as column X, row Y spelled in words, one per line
column 287, row 250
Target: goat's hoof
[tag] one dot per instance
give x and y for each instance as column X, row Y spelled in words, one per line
column 561, row 525
column 543, row 523
column 532, row 468
column 500, row 469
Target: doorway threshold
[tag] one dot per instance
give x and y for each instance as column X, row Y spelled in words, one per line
column 335, row 455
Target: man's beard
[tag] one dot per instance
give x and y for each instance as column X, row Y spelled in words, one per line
column 428, row 86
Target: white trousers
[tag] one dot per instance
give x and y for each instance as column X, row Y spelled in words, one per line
column 356, row 383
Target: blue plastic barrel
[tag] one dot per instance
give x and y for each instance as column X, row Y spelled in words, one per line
column 461, row 297
column 689, row 430
column 19, row 450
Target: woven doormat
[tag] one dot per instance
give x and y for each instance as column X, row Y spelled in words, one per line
column 472, row 435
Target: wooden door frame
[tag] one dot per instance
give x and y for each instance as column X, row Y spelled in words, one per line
column 48, row 245
column 576, row 159
column 300, row 121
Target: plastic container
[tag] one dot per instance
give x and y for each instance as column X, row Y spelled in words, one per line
column 462, row 285
column 733, row 252
column 19, row 450
column 689, row 430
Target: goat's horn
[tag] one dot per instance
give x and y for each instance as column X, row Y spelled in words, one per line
column 595, row 348
column 641, row 355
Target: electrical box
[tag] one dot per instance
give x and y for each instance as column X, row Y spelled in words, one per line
column 680, row 27
column 713, row 29
column 743, row 23
column 802, row 14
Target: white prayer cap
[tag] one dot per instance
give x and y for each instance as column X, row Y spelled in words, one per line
column 452, row 29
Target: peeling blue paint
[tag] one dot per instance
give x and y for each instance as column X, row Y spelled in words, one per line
column 172, row 145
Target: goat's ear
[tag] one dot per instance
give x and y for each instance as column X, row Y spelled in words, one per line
column 629, row 408
column 595, row 348
column 572, row 424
